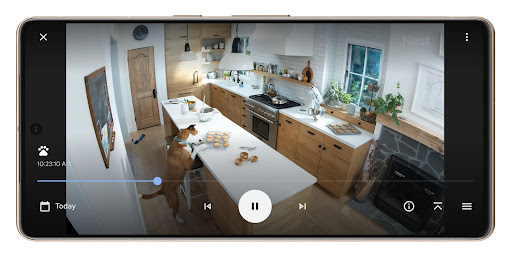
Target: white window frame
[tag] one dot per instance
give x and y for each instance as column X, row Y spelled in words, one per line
column 368, row 44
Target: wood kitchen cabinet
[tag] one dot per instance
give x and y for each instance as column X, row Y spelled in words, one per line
column 334, row 164
column 219, row 99
column 243, row 113
column 216, row 30
column 182, row 75
column 233, row 107
column 186, row 92
column 179, row 31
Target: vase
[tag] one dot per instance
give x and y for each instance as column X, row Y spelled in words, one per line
column 344, row 106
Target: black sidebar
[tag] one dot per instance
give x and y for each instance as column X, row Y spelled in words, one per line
column 468, row 79
column 42, row 145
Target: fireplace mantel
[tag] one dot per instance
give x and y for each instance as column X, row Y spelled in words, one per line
column 415, row 131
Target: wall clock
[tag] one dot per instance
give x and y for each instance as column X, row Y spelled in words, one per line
column 140, row 32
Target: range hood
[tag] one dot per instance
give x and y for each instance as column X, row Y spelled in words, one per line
column 294, row 39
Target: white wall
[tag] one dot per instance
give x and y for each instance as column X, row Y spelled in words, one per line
column 404, row 60
column 126, row 42
column 104, row 208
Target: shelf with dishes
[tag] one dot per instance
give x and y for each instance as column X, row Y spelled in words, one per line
column 292, row 80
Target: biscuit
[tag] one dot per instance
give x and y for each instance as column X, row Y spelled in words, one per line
column 216, row 144
column 226, row 133
column 225, row 140
column 210, row 133
column 339, row 125
column 345, row 124
column 331, row 125
column 224, row 137
column 217, row 133
column 217, row 136
column 209, row 136
column 216, row 140
column 209, row 140
column 226, row 144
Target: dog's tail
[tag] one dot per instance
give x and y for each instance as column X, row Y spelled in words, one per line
column 157, row 193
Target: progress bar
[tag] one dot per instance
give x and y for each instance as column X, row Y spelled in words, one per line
column 157, row 181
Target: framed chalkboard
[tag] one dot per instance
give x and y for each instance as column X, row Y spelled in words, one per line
column 101, row 114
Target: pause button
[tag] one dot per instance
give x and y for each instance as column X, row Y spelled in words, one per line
column 255, row 206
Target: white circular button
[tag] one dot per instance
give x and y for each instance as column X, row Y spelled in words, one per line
column 255, row 206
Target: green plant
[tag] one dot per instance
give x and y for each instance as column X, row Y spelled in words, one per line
column 390, row 104
column 346, row 98
column 334, row 93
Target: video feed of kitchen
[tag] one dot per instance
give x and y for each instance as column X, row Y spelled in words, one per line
column 293, row 129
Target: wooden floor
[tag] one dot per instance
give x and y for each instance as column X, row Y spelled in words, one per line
column 325, row 214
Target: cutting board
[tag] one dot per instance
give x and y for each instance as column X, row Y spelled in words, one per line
column 308, row 72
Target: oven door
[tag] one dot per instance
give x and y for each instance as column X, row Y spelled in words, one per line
column 263, row 128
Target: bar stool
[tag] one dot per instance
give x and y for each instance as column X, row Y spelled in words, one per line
column 185, row 185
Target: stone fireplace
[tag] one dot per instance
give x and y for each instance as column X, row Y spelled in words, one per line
column 421, row 157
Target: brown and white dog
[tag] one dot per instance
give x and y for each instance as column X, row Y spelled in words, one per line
column 180, row 159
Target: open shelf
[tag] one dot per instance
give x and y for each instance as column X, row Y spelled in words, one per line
column 213, row 50
column 211, row 62
column 292, row 80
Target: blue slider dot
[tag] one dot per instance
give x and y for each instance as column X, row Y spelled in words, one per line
column 157, row 181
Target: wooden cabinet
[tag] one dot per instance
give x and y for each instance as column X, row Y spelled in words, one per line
column 308, row 154
column 287, row 137
column 179, row 31
column 243, row 113
column 186, row 92
column 355, row 120
column 219, row 99
column 216, row 30
column 335, row 164
column 233, row 107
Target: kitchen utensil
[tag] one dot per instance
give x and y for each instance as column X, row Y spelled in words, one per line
column 203, row 117
column 271, row 90
column 184, row 108
column 317, row 111
column 340, row 131
column 248, row 148
column 308, row 72
column 278, row 100
column 221, row 45
column 300, row 77
column 216, row 46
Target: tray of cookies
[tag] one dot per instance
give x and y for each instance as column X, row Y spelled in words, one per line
column 217, row 139
column 343, row 129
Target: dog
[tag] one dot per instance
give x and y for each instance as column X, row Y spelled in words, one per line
column 180, row 159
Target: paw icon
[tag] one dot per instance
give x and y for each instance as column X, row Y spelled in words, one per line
column 43, row 150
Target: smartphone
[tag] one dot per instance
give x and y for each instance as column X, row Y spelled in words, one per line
column 255, row 127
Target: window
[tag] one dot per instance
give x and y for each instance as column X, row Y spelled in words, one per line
column 363, row 66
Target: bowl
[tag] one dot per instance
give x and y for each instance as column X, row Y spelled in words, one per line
column 203, row 117
column 191, row 105
column 244, row 155
column 239, row 161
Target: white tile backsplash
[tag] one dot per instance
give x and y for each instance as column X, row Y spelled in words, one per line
column 328, row 60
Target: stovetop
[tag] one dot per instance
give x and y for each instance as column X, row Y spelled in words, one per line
column 267, row 100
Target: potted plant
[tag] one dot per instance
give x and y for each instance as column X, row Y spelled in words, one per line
column 391, row 104
column 367, row 115
column 333, row 96
column 346, row 98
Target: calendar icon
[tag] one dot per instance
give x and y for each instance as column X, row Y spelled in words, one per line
column 44, row 206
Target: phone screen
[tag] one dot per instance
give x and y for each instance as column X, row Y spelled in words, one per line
column 255, row 128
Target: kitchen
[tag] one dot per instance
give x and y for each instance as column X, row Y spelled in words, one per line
column 270, row 100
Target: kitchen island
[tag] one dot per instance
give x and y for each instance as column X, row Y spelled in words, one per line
column 286, row 183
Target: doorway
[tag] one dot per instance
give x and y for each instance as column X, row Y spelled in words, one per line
column 141, row 68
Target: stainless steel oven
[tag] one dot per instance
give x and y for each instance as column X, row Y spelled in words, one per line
column 262, row 127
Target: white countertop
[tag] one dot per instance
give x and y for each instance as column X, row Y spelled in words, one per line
column 273, row 174
column 233, row 87
column 353, row 141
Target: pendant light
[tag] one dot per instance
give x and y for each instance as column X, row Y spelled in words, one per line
column 236, row 60
column 187, row 54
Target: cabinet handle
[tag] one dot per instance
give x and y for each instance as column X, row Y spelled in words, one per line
column 336, row 146
column 183, row 36
column 215, row 35
column 185, row 93
column 311, row 133
column 233, row 96
column 288, row 121
column 279, row 124
column 243, row 108
column 246, row 116
column 319, row 146
column 359, row 123
column 154, row 93
column 243, row 125
column 223, row 91
column 332, row 112
column 323, row 148
column 244, row 101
